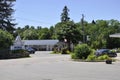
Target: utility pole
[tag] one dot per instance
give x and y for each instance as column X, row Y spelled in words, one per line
column 83, row 29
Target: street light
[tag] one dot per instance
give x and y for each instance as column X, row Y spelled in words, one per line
column 65, row 41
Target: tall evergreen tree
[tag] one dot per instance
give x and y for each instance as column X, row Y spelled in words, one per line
column 66, row 30
column 93, row 22
column 65, row 16
column 6, row 11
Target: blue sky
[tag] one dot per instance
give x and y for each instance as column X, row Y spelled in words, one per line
column 47, row 13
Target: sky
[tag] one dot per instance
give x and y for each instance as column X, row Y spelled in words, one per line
column 47, row 13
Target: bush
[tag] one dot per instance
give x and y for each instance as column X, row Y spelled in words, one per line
column 73, row 56
column 100, row 58
column 91, row 58
column 18, row 51
column 19, row 54
column 7, row 54
column 82, row 51
column 56, row 50
column 65, row 51
column 103, row 57
column 4, row 54
column 118, row 50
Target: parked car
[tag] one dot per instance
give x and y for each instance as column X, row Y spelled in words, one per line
column 30, row 50
column 109, row 52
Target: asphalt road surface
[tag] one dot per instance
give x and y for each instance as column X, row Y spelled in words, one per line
column 45, row 66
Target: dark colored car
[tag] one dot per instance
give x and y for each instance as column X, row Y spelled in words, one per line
column 109, row 52
column 30, row 50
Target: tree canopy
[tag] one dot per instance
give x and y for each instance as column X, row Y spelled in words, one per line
column 5, row 39
column 6, row 11
column 65, row 15
column 97, row 31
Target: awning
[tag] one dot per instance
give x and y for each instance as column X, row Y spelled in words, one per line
column 40, row 42
column 117, row 35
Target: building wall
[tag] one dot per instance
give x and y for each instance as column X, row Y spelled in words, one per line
column 41, row 47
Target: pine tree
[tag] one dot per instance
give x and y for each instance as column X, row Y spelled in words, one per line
column 6, row 11
column 65, row 16
column 93, row 22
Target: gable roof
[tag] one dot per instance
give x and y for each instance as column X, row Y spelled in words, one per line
column 40, row 42
column 18, row 39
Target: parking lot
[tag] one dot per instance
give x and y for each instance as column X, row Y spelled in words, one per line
column 45, row 66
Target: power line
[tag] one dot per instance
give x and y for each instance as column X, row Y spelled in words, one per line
column 30, row 20
column 25, row 19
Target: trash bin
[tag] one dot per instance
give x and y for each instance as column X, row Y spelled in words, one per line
column 109, row 61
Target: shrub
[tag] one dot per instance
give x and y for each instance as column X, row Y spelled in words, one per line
column 100, row 58
column 7, row 54
column 91, row 58
column 103, row 57
column 19, row 53
column 73, row 56
column 4, row 54
column 56, row 50
column 82, row 51
column 65, row 51
column 118, row 50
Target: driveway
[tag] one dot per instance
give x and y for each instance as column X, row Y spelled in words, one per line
column 118, row 57
column 45, row 66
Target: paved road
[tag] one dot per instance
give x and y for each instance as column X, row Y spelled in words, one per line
column 45, row 66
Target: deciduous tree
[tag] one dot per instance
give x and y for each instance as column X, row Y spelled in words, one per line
column 5, row 39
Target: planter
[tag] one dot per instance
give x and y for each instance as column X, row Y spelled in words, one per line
column 109, row 61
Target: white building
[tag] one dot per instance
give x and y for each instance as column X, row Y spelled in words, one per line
column 41, row 45
column 17, row 44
